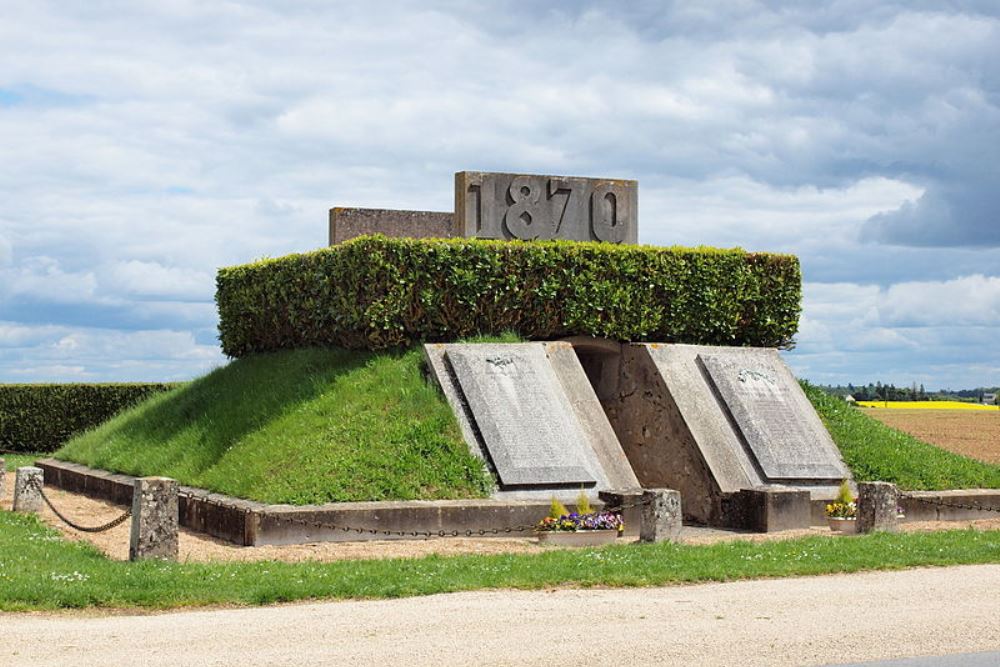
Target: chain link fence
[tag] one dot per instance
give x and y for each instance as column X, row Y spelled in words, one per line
column 941, row 503
column 104, row 527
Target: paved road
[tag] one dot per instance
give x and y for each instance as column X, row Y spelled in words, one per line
column 805, row 621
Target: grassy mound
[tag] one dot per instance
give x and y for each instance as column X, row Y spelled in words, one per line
column 874, row 451
column 301, row 426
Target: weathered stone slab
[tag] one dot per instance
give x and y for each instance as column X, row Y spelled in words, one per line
column 605, row 460
column 527, row 206
column 523, row 415
column 347, row 223
column 782, row 430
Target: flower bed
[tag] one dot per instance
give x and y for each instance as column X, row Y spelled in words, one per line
column 574, row 522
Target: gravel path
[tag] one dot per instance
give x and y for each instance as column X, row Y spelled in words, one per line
column 802, row 621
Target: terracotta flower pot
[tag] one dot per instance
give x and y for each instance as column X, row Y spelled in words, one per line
column 579, row 538
column 842, row 525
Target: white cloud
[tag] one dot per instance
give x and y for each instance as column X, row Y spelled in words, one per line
column 151, row 279
column 160, row 141
column 52, row 353
column 932, row 332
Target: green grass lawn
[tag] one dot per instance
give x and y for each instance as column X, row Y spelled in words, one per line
column 299, row 426
column 876, row 452
column 15, row 461
column 40, row 570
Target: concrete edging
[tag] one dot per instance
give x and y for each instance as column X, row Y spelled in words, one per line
column 251, row 523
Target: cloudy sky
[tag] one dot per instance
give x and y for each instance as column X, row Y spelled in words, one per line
column 145, row 144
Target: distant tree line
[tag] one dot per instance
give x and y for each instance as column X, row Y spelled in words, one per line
column 878, row 391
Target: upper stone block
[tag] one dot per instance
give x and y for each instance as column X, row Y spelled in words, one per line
column 492, row 205
column 347, row 223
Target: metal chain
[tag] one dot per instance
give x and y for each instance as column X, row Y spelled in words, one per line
column 482, row 532
column 114, row 523
column 940, row 503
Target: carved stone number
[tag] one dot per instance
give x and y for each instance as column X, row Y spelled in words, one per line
column 535, row 211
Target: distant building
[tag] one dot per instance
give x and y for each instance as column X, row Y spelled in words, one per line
column 850, row 399
column 989, row 399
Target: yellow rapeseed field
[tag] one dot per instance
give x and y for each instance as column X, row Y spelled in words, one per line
column 926, row 405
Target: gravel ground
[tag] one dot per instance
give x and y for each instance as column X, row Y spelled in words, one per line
column 198, row 547
column 799, row 621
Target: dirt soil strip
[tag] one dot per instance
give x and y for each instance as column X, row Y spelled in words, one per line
column 798, row 621
column 198, row 547
column 974, row 433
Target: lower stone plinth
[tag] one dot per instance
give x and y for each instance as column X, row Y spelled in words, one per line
column 770, row 509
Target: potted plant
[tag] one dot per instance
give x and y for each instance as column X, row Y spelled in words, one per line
column 581, row 528
column 842, row 513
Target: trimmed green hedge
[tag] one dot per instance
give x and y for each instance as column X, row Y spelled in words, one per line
column 375, row 292
column 41, row 417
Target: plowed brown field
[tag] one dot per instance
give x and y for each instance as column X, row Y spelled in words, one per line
column 973, row 433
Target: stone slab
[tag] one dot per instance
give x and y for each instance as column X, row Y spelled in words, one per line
column 495, row 205
column 775, row 419
column 677, row 433
column 348, row 223
column 590, row 415
column 604, row 455
column 523, row 415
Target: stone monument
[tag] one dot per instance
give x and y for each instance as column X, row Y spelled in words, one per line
column 529, row 412
column 491, row 205
column 714, row 422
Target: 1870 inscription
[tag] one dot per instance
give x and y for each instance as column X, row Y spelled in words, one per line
column 527, row 207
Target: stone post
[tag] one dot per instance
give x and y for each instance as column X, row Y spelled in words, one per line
column 3, row 476
column 877, row 503
column 27, row 489
column 154, row 519
column 661, row 516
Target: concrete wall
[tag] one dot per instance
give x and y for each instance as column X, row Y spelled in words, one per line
column 654, row 436
column 251, row 523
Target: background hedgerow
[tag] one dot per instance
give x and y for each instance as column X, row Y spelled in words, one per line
column 41, row 417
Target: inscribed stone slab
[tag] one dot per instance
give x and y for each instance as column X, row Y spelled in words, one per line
column 492, row 205
column 523, row 415
column 781, row 428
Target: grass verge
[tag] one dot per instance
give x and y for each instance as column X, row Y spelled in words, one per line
column 15, row 461
column 298, row 426
column 39, row 570
column 874, row 451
